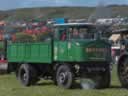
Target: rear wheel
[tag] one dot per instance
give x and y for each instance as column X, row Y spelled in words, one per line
column 64, row 76
column 27, row 74
column 123, row 73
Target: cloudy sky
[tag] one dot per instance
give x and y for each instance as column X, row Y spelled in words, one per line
column 12, row 4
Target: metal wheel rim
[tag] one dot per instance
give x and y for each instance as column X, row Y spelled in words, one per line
column 23, row 75
column 63, row 77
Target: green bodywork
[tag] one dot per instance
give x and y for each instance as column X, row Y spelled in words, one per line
column 29, row 52
column 59, row 51
column 75, row 51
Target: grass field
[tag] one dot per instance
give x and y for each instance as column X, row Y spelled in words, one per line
column 9, row 86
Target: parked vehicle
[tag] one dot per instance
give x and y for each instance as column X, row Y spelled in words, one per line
column 72, row 51
column 60, row 20
column 123, row 58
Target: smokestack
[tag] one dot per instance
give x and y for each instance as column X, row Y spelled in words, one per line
column 102, row 11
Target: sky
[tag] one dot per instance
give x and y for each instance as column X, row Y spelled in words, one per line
column 13, row 4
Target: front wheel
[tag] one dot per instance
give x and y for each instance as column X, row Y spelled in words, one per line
column 123, row 73
column 105, row 79
column 64, row 76
column 97, row 80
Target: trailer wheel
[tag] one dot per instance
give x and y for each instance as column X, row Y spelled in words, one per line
column 123, row 73
column 64, row 76
column 27, row 75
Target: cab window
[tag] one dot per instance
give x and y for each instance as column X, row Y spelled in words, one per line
column 60, row 34
column 81, row 33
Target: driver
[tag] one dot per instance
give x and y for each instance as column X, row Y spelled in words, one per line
column 75, row 33
column 63, row 36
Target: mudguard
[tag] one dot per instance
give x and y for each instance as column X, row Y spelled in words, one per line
column 122, row 56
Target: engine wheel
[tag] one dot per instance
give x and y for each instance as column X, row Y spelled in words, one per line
column 27, row 75
column 64, row 76
column 123, row 73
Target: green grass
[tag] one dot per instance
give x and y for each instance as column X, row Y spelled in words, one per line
column 9, row 86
